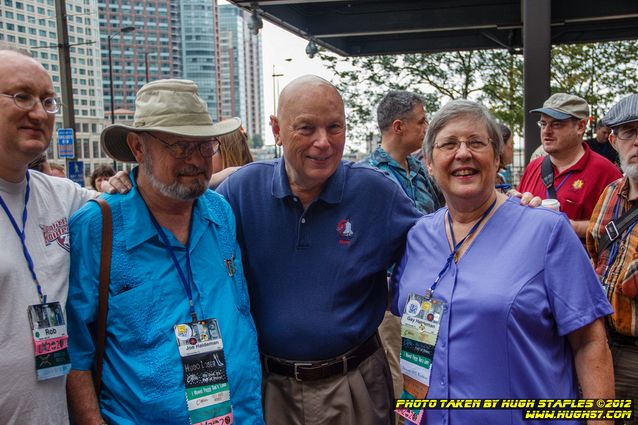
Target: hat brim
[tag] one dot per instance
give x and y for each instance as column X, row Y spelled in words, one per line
column 557, row 115
column 113, row 138
column 619, row 122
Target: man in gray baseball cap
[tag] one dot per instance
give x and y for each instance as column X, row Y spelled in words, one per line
column 571, row 172
column 180, row 342
column 612, row 240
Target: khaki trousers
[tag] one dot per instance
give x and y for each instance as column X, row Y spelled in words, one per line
column 390, row 335
column 361, row 397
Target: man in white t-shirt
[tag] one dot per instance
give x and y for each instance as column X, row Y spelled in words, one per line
column 34, row 241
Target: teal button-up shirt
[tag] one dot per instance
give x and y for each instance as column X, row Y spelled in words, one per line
column 142, row 379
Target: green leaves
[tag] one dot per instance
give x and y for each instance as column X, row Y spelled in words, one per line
column 602, row 73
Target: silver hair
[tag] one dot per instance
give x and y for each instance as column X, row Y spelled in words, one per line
column 462, row 108
column 396, row 105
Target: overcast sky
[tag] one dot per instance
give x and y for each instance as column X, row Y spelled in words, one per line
column 279, row 45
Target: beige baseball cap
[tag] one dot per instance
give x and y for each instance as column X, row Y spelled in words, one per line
column 562, row 106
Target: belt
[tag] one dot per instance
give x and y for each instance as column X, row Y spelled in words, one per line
column 322, row 369
column 620, row 339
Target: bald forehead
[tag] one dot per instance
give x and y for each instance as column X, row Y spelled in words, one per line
column 304, row 89
column 19, row 71
column 10, row 59
column 17, row 57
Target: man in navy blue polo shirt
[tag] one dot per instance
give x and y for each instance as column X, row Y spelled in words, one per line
column 318, row 235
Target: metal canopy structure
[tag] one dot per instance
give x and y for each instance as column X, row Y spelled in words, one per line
column 375, row 27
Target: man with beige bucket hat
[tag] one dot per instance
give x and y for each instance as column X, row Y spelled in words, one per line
column 180, row 342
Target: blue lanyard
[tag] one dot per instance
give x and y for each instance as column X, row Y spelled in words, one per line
column 457, row 246
column 171, row 252
column 561, row 183
column 22, row 236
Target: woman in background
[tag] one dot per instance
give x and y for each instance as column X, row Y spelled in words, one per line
column 504, row 176
column 101, row 174
column 232, row 154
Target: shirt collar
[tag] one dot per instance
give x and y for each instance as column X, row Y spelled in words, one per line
column 381, row 156
column 331, row 193
column 582, row 162
column 137, row 219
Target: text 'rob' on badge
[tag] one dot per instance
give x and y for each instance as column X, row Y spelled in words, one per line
column 50, row 340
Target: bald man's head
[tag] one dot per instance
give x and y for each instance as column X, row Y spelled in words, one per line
column 311, row 126
column 303, row 84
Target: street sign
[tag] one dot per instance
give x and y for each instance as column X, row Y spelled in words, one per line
column 66, row 147
column 76, row 172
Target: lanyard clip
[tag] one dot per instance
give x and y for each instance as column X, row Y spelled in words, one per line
column 192, row 309
column 428, row 293
column 230, row 266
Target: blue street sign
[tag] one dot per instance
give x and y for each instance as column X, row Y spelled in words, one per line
column 66, row 147
column 76, row 172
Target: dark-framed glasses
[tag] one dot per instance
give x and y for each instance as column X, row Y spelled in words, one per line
column 626, row 134
column 475, row 145
column 183, row 150
column 26, row 102
column 554, row 125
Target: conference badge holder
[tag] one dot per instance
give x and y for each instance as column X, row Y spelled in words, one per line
column 420, row 325
column 50, row 340
column 207, row 391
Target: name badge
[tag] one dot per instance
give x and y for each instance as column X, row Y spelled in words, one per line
column 50, row 340
column 420, row 325
column 207, row 392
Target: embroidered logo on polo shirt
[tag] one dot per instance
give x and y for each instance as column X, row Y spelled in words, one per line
column 578, row 184
column 58, row 232
column 344, row 229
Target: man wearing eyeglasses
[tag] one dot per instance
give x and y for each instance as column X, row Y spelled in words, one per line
column 180, row 342
column 575, row 175
column 34, row 241
column 612, row 239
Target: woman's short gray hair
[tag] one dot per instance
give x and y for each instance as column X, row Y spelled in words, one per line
column 462, row 108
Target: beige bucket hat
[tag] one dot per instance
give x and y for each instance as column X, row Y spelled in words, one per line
column 169, row 106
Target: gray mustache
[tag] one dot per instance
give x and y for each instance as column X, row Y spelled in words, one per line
column 190, row 170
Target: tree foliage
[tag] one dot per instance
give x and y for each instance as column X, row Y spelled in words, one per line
column 601, row 73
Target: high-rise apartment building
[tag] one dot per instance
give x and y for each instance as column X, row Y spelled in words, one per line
column 254, row 85
column 232, row 55
column 31, row 25
column 150, row 52
column 200, row 47
column 241, row 69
